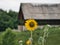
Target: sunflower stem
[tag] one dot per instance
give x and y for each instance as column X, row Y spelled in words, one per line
column 31, row 38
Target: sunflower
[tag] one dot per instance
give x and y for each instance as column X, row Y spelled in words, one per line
column 31, row 24
column 28, row 42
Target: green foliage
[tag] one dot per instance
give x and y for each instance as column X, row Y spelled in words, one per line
column 9, row 38
column 0, row 38
column 8, row 19
column 52, row 39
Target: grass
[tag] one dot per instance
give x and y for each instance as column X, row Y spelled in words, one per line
column 53, row 38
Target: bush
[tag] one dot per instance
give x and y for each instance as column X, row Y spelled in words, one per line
column 9, row 38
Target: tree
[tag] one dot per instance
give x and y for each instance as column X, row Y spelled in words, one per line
column 8, row 19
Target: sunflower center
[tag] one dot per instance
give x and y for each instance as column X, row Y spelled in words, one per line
column 31, row 24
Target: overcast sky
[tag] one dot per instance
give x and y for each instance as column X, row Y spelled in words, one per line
column 14, row 4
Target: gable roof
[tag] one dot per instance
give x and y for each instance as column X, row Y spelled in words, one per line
column 40, row 11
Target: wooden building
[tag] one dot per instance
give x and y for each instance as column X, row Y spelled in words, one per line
column 42, row 13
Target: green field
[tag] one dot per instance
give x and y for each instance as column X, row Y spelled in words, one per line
column 52, row 39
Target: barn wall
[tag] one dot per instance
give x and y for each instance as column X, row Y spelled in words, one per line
column 41, row 26
column 20, row 28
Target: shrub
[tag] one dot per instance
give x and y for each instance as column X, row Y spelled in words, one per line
column 9, row 38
